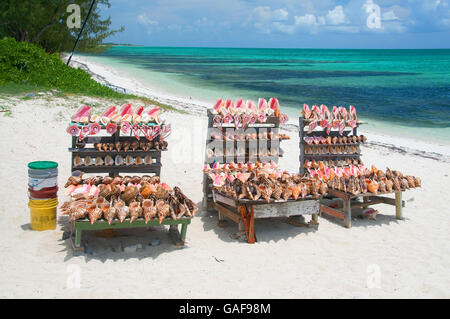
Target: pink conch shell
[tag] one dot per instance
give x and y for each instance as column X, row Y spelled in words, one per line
column 219, row 181
column 312, row 126
column 261, row 118
column 335, row 112
column 274, row 104
column 283, row 118
column 94, row 128
column 352, row 123
column 228, row 104
column 240, row 107
column 308, row 139
column 125, row 127
column 343, row 112
column 251, row 106
column 245, row 121
column 73, row 130
column 230, row 178
column 135, row 130
column 154, row 112
column 218, row 121
column 306, row 111
column 155, row 132
column 237, row 121
column 82, row 113
column 329, row 126
column 165, row 131
column 126, row 109
column 139, row 110
column 218, row 105
column 111, row 128
column 243, row 177
column 253, row 118
column 227, row 119
column 262, row 106
column 110, row 111
column 341, row 127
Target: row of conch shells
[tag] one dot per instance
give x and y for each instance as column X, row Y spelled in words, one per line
column 110, row 161
column 332, row 163
column 232, row 135
column 240, row 151
column 131, row 145
column 112, row 114
column 338, row 118
column 332, row 150
column 266, row 185
column 125, row 198
column 320, row 140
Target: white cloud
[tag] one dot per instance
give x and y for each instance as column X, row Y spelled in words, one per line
column 265, row 14
column 336, row 16
column 389, row 16
column 145, row 19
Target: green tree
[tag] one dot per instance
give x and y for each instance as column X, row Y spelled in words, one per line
column 44, row 22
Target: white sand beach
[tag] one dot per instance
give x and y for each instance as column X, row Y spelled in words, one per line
column 410, row 257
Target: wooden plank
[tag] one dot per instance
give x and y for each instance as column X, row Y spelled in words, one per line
column 336, row 193
column 307, row 207
column 175, row 235
column 223, row 199
column 331, row 211
column 234, row 216
column 398, row 205
column 347, row 214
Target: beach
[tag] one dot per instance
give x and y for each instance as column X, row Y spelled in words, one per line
column 409, row 258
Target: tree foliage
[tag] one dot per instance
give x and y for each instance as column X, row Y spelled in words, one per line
column 44, row 22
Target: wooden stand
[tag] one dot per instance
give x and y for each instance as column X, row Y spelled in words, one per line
column 368, row 200
column 244, row 212
column 320, row 157
column 272, row 124
column 80, row 225
column 113, row 170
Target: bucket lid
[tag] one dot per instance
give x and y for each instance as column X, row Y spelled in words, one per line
column 42, row 165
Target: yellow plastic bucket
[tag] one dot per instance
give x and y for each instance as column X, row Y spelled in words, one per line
column 43, row 213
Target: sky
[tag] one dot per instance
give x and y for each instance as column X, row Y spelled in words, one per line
column 372, row 24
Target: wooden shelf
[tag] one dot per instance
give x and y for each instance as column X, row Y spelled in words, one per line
column 93, row 151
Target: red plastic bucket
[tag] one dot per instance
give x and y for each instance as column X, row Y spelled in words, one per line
column 49, row 192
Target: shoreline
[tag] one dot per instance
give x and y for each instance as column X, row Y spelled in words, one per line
column 114, row 78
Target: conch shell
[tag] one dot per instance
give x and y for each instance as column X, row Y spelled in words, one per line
column 135, row 211
column 373, row 186
column 149, row 210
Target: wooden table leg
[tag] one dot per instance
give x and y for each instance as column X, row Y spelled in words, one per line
column 78, row 237
column 398, row 205
column 347, row 213
column 249, row 222
column 183, row 231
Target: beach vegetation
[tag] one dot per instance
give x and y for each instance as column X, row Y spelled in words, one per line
column 45, row 23
column 28, row 69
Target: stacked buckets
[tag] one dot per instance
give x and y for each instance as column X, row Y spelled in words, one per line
column 43, row 187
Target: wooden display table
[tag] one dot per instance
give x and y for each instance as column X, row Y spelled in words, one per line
column 368, row 200
column 244, row 211
column 83, row 224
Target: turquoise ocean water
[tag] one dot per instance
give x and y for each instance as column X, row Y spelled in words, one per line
column 404, row 92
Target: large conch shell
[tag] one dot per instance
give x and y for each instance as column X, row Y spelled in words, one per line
column 135, row 211
column 372, row 186
column 149, row 210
